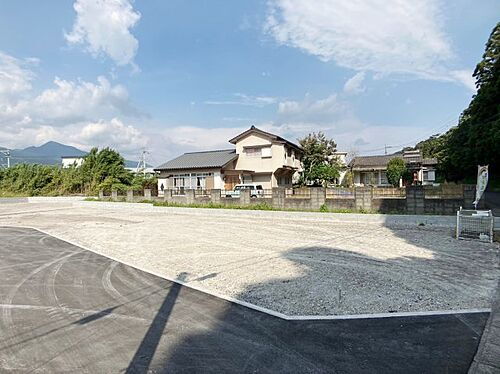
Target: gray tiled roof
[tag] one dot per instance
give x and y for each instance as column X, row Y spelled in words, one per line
column 382, row 161
column 198, row 160
column 367, row 161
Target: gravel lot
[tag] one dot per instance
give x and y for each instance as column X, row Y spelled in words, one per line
column 294, row 263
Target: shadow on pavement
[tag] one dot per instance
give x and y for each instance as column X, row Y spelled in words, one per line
column 144, row 354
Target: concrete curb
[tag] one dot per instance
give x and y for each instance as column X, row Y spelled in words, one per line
column 263, row 309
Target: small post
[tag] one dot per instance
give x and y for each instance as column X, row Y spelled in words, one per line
column 190, row 197
column 215, row 196
column 245, row 197
column 130, row 196
column 147, row 194
column 114, row 195
column 101, row 195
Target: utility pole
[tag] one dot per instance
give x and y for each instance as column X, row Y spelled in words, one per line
column 6, row 153
column 141, row 165
column 386, row 147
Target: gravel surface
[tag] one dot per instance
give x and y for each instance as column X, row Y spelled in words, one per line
column 294, row 263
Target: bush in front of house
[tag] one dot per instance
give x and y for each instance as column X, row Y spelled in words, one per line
column 396, row 170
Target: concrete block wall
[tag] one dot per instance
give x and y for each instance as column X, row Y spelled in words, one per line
column 363, row 200
column 363, row 197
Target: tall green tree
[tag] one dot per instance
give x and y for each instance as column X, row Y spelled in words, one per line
column 320, row 166
column 396, row 170
column 476, row 139
column 104, row 169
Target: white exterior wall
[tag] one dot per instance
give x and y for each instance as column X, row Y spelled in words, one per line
column 165, row 186
column 218, row 180
column 257, row 164
column 70, row 161
column 266, row 163
column 167, row 177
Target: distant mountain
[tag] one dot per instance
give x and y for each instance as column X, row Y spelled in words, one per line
column 49, row 153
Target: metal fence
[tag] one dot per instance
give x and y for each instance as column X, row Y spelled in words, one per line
column 178, row 191
column 475, row 224
column 261, row 194
column 202, row 192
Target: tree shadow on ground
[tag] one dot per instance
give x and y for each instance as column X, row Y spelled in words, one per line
column 210, row 335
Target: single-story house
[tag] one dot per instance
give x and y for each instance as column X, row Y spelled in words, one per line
column 258, row 157
column 371, row 170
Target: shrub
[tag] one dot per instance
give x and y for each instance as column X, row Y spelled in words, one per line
column 396, row 170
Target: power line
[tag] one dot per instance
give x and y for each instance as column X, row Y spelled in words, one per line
column 434, row 131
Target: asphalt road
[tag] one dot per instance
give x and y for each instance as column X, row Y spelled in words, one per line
column 65, row 309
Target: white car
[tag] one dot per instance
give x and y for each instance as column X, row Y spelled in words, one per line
column 256, row 190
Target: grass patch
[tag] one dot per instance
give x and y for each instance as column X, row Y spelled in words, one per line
column 259, row 206
column 12, row 194
column 255, row 206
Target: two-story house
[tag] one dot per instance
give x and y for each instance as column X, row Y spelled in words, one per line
column 258, row 157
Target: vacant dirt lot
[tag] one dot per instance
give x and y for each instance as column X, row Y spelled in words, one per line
column 294, row 263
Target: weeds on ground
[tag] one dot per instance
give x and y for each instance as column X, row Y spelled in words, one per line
column 256, row 206
column 12, row 194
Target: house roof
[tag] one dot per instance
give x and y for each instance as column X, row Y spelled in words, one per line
column 382, row 161
column 371, row 161
column 199, row 160
column 274, row 137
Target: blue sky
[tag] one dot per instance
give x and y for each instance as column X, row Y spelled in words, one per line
column 174, row 75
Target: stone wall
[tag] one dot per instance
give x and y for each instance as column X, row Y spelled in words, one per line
column 413, row 200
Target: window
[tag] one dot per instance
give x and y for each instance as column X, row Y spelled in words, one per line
column 266, row 152
column 253, row 152
column 181, row 180
column 383, row 178
column 193, row 180
column 429, row 175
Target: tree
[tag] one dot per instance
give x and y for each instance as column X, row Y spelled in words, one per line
column 320, row 166
column 396, row 170
column 476, row 139
column 104, row 169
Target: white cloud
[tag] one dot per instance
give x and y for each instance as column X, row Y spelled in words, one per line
column 245, row 100
column 71, row 101
column 309, row 110
column 114, row 134
column 103, row 26
column 79, row 113
column 198, row 138
column 15, row 76
column 465, row 77
column 354, row 85
column 382, row 36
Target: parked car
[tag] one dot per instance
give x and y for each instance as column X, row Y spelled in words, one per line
column 256, row 190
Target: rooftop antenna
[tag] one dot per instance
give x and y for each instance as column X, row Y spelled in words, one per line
column 6, row 153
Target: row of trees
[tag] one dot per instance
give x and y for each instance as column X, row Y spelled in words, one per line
column 476, row 138
column 474, row 141
column 101, row 170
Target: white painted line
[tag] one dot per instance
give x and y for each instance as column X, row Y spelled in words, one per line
column 262, row 309
column 387, row 315
column 31, row 212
